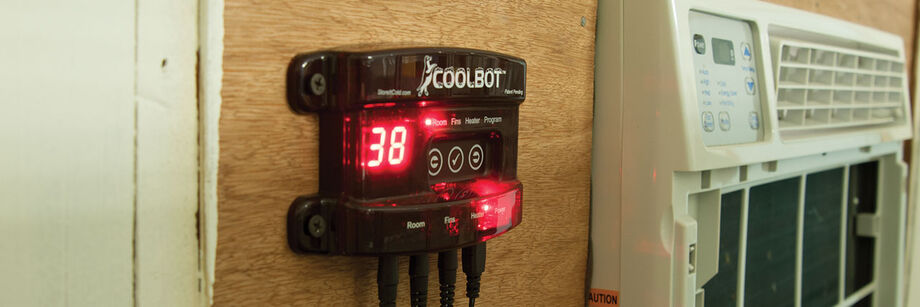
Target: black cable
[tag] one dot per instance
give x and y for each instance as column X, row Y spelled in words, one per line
column 418, row 280
column 447, row 276
column 387, row 280
column 474, row 263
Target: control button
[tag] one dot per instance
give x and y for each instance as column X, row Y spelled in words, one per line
column 725, row 122
column 699, row 44
column 754, row 120
column 749, row 85
column 709, row 123
column 476, row 157
column 435, row 162
column 746, row 51
column 455, row 159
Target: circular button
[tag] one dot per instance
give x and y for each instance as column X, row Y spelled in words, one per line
column 455, row 159
column 725, row 122
column 749, row 86
column 699, row 44
column 746, row 51
column 709, row 122
column 476, row 157
column 435, row 162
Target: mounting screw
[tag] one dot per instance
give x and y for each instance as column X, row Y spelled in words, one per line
column 316, row 226
column 318, row 84
column 584, row 21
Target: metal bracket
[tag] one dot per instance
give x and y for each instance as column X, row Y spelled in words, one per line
column 310, row 82
column 309, row 225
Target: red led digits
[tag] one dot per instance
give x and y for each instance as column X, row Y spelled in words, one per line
column 378, row 147
column 387, row 145
column 397, row 144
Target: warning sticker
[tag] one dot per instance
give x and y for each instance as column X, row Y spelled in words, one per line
column 604, row 298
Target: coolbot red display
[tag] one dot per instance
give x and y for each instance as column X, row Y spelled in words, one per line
column 418, row 149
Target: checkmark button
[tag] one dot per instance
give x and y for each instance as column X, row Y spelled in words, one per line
column 455, row 159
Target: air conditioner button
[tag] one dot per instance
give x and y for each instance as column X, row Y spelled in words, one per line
column 725, row 121
column 754, row 120
column 709, row 122
column 749, row 85
column 746, row 51
column 699, row 44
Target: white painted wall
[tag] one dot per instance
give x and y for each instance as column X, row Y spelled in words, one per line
column 211, row 31
column 166, row 266
column 67, row 152
column 99, row 153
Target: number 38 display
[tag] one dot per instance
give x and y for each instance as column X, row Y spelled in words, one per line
column 395, row 149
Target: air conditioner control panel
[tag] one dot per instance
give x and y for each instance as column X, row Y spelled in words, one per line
column 727, row 80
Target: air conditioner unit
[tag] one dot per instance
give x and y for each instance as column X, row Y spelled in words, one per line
column 746, row 154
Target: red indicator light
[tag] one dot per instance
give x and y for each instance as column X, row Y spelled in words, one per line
column 453, row 228
column 434, row 120
column 495, row 213
column 488, row 187
column 380, row 105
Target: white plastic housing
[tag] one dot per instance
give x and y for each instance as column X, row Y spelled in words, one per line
column 656, row 186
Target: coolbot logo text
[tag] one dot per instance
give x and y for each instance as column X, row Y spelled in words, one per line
column 459, row 77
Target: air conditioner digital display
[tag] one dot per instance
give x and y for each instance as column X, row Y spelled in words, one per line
column 723, row 51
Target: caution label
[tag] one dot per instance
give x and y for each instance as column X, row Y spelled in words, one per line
column 603, row 298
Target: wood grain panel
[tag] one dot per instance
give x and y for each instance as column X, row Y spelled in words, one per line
column 268, row 155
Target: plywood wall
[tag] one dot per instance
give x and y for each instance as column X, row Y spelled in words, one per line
column 268, row 155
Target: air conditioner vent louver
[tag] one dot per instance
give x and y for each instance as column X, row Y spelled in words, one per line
column 821, row 87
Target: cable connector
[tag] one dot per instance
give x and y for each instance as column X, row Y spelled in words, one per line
column 447, row 276
column 387, row 280
column 418, row 280
column 474, row 263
